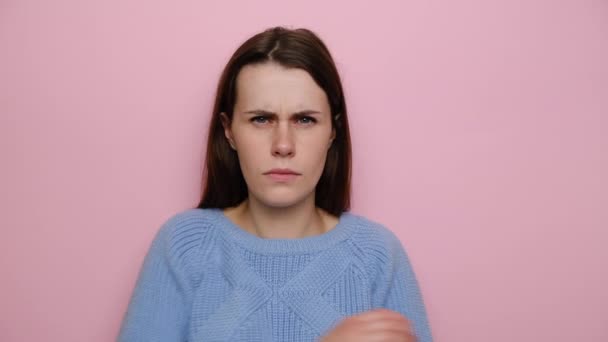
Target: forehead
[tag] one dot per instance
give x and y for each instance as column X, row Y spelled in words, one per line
column 272, row 85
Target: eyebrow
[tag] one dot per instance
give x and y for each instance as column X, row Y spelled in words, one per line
column 265, row 112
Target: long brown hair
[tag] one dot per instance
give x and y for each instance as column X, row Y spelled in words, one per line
column 223, row 182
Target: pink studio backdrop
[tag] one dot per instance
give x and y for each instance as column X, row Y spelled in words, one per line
column 480, row 137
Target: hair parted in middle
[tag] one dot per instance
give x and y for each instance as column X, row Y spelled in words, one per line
column 223, row 181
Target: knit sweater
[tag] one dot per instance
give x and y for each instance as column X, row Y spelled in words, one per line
column 206, row 279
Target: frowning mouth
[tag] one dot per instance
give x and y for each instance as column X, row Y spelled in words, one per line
column 282, row 172
column 282, row 175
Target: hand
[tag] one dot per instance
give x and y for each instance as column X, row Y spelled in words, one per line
column 380, row 325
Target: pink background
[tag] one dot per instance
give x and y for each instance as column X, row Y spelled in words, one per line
column 480, row 137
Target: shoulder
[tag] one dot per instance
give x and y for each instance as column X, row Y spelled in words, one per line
column 373, row 236
column 377, row 245
column 185, row 236
column 186, row 226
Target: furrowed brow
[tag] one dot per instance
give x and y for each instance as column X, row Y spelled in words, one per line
column 265, row 112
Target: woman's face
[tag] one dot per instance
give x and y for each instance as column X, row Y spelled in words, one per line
column 281, row 120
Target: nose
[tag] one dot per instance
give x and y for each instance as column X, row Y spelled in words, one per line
column 283, row 144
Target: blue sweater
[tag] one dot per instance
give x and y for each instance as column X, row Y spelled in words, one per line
column 206, row 279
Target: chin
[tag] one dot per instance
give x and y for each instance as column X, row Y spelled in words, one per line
column 279, row 202
column 282, row 198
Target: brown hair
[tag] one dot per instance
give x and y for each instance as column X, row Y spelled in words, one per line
column 224, row 185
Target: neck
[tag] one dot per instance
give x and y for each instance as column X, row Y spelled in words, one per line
column 297, row 221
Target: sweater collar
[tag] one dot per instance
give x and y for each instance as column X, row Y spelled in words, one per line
column 308, row 244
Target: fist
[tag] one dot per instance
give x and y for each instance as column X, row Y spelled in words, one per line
column 380, row 325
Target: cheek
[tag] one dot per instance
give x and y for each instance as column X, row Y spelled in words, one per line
column 249, row 156
column 253, row 154
column 317, row 156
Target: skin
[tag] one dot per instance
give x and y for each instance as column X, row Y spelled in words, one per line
column 280, row 138
column 380, row 325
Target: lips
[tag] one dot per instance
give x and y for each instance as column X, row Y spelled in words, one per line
column 282, row 172
column 282, row 175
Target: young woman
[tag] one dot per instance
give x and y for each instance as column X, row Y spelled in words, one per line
column 271, row 252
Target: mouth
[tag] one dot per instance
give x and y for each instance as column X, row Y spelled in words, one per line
column 282, row 175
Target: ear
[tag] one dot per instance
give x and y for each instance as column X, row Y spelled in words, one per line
column 227, row 129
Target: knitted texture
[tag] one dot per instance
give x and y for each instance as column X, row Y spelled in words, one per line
column 206, row 279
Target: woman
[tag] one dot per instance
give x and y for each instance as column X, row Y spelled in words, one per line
column 271, row 253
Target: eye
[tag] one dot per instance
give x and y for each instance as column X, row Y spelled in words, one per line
column 307, row 120
column 259, row 119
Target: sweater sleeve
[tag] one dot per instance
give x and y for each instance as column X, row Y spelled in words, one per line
column 396, row 287
column 159, row 307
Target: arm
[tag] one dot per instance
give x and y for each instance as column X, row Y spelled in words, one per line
column 397, row 289
column 159, row 308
